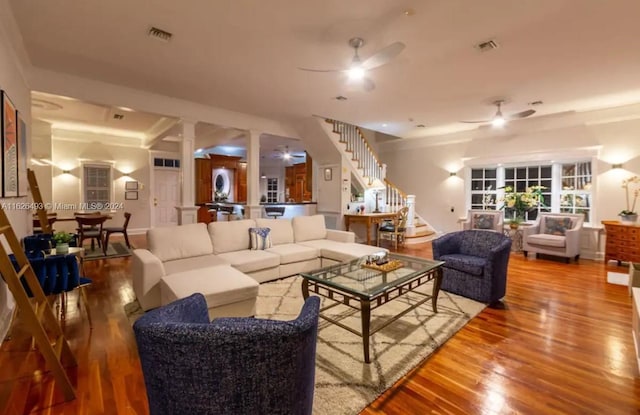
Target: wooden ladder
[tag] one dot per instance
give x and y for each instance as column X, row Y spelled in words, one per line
column 37, row 199
column 36, row 312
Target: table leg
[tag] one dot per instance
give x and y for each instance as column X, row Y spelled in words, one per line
column 305, row 288
column 365, row 314
column 437, row 282
column 368, row 231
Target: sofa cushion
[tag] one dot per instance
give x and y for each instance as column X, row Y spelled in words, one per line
column 342, row 251
column 482, row 221
column 196, row 262
column 309, row 228
column 556, row 225
column 177, row 242
column 250, row 261
column 290, row 253
column 229, row 236
column 464, row 263
column 545, row 239
column 281, row 230
column 260, row 238
column 220, row 285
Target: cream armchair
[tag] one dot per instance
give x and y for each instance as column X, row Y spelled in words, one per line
column 491, row 220
column 555, row 234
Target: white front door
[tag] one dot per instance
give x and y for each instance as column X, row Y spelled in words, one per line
column 166, row 196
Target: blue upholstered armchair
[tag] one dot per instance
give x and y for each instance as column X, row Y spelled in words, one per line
column 228, row 366
column 476, row 263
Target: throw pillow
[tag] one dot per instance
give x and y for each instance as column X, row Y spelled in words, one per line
column 557, row 226
column 481, row 221
column 260, row 238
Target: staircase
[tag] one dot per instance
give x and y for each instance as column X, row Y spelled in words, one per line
column 371, row 174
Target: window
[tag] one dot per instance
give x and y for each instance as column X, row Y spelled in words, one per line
column 567, row 187
column 97, row 186
column 484, row 189
column 521, row 178
column 272, row 190
column 575, row 195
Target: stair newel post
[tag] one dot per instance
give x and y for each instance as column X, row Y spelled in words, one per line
column 411, row 204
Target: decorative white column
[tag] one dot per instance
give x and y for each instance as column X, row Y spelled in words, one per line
column 253, row 208
column 187, row 211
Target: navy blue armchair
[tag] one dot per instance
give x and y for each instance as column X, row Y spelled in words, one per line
column 229, row 366
column 476, row 263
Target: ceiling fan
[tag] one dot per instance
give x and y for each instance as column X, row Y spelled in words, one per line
column 358, row 68
column 286, row 154
column 500, row 119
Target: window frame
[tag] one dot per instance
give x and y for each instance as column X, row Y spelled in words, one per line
column 88, row 205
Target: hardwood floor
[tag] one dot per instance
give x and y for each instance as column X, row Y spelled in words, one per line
column 561, row 345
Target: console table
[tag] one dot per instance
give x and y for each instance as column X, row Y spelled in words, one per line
column 368, row 219
column 623, row 242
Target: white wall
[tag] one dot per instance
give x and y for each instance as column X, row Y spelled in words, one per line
column 422, row 169
column 129, row 164
column 13, row 83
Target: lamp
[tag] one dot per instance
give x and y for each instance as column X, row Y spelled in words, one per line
column 616, row 166
column 452, row 173
column 263, row 176
column 66, row 171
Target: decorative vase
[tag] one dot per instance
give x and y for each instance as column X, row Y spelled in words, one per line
column 514, row 225
column 62, row 248
column 629, row 218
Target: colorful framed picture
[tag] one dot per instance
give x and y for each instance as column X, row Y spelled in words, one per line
column 22, row 156
column 9, row 148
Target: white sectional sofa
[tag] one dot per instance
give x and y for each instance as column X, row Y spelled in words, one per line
column 217, row 260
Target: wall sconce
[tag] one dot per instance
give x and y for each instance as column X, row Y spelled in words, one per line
column 616, row 166
column 66, row 171
column 263, row 176
column 452, row 173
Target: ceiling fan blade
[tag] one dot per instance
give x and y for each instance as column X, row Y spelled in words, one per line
column 522, row 114
column 368, row 85
column 320, row 70
column 476, row 122
column 383, row 56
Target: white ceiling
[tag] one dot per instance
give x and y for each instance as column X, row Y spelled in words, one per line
column 243, row 55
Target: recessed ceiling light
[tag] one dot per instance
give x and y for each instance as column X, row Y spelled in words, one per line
column 384, row 125
column 409, row 12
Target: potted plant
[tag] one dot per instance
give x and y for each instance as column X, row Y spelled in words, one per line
column 62, row 240
column 629, row 214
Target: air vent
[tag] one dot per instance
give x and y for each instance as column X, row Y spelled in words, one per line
column 341, row 98
column 421, row 126
column 487, row 46
column 118, row 116
column 534, row 103
column 160, row 34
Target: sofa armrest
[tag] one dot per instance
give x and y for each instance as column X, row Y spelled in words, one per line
column 147, row 272
column 340, row 236
column 448, row 243
column 530, row 230
column 572, row 241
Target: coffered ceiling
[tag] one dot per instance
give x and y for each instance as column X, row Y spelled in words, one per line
column 243, row 55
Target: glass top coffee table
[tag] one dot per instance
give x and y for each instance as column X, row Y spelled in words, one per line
column 365, row 287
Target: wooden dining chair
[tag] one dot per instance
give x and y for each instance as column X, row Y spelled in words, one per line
column 90, row 227
column 121, row 229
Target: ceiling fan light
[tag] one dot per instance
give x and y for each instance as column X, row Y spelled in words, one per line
column 498, row 121
column 286, row 156
column 355, row 73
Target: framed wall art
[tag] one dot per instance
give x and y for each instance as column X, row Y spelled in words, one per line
column 9, row 148
column 22, row 156
column 131, row 195
column 131, row 185
column 328, row 174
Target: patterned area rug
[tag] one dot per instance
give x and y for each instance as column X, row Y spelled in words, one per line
column 114, row 250
column 344, row 383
